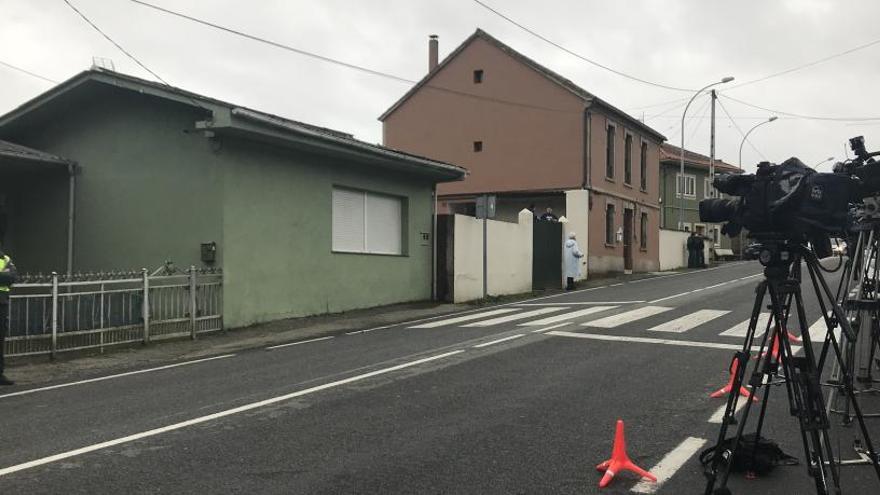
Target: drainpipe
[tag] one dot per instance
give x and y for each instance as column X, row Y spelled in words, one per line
column 71, row 205
column 434, row 246
column 588, row 119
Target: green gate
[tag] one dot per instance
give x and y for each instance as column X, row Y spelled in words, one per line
column 547, row 256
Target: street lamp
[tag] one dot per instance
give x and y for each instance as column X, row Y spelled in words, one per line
column 680, row 182
column 816, row 166
column 771, row 119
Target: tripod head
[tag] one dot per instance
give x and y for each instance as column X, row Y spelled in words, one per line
column 776, row 252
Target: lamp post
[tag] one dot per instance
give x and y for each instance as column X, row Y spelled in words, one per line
column 771, row 119
column 816, row 166
column 680, row 181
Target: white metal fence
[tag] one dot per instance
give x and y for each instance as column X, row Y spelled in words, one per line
column 51, row 315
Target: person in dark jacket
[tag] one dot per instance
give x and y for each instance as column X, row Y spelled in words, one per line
column 701, row 253
column 7, row 278
column 692, row 250
column 548, row 216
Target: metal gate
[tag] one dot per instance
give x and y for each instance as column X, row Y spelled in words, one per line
column 547, row 255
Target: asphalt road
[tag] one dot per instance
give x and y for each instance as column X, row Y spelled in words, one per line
column 521, row 398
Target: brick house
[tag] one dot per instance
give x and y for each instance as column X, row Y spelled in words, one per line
column 532, row 137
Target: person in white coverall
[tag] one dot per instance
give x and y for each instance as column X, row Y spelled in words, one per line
column 573, row 255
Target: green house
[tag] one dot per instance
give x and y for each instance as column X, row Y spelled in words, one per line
column 130, row 173
column 681, row 197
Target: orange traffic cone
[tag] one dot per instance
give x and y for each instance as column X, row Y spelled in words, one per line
column 794, row 339
column 721, row 392
column 774, row 351
column 619, row 460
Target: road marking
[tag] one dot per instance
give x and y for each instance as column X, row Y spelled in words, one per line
column 616, row 285
column 718, row 416
column 643, row 340
column 704, row 288
column 819, row 329
column 459, row 319
column 627, row 317
column 566, row 316
column 298, row 343
column 588, row 303
column 551, row 327
column 740, row 329
column 690, row 321
column 505, row 339
column 110, row 377
column 670, row 464
column 217, row 415
column 518, row 316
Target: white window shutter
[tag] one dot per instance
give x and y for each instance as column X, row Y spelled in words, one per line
column 384, row 224
column 348, row 220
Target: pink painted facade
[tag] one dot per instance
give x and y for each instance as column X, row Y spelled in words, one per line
column 527, row 135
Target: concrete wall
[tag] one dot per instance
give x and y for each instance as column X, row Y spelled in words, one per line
column 673, row 251
column 509, row 257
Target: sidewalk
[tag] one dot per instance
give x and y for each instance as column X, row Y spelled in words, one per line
column 38, row 370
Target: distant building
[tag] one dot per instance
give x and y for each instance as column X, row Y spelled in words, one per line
column 687, row 193
column 305, row 220
column 530, row 136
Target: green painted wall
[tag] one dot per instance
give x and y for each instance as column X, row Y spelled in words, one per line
column 36, row 198
column 671, row 202
column 277, row 236
column 147, row 190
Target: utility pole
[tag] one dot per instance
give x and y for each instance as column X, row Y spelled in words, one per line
column 712, row 142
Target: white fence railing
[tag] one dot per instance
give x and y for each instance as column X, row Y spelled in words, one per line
column 51, row 315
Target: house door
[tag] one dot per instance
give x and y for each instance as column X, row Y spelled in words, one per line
column 627, row 240
column 546, row 255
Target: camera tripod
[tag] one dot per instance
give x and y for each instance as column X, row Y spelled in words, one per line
column 858, row 295
column 783, row 260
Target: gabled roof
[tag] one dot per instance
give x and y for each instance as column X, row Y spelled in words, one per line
column 554, row 77
column 672, row 154
column 19, row 152
column 321, row 137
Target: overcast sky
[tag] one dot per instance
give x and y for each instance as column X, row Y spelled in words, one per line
column 682, row 43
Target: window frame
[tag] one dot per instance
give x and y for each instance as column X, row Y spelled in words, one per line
column 609, row 226
column 627, row 158
column 610, row 129
column 688, row 178
column 478, row 76
column 708, row 190
column 643, row 232
column 643, row 166
column 402, row 208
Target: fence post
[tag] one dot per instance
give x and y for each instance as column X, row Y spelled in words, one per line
column 193, row 310
column 54, row 347
column 146, row 305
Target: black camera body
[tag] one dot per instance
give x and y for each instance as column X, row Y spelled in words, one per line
column 787, row 199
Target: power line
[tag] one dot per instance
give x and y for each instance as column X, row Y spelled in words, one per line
column 702, row 113
column 342, row 63
column 808, row 64
column 117, row 45
column 575, row 54
column 801, row 116
column 741, row 133
column 661, row 104
column 23, row 71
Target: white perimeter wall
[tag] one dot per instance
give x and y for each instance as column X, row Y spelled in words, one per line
column 509, row 255
column 673, row 249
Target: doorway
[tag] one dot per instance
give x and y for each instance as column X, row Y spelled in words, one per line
column 627, row 240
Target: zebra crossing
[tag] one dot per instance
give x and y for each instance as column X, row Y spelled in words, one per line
column 611, row 316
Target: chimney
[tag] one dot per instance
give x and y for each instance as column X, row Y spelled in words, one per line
column 433, row 46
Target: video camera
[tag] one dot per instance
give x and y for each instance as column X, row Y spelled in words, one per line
column 787, row 200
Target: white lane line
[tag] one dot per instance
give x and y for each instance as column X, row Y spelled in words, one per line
column 110, row 377
column 217, row 415
column 505, row 339
column 518, row 316
column 718, row 416
column 298, row 343
column 627, row 317
column 740, row 329
column 616, row 285
column 670, row 464
column 643, row 340
column 459, row 319
column 587, row 303
column 551, row 327
column 566, row 316
column 819, row 329
column 704, row 288
column 690, row 321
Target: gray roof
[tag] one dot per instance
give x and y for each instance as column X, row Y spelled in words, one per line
column 544, row 71
column 19, row 152
column 302, row 131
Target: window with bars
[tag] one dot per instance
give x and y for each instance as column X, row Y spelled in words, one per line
column 627, row 159
column 365, row 222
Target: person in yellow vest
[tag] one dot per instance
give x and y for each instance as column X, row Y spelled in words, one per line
column 7, row 278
